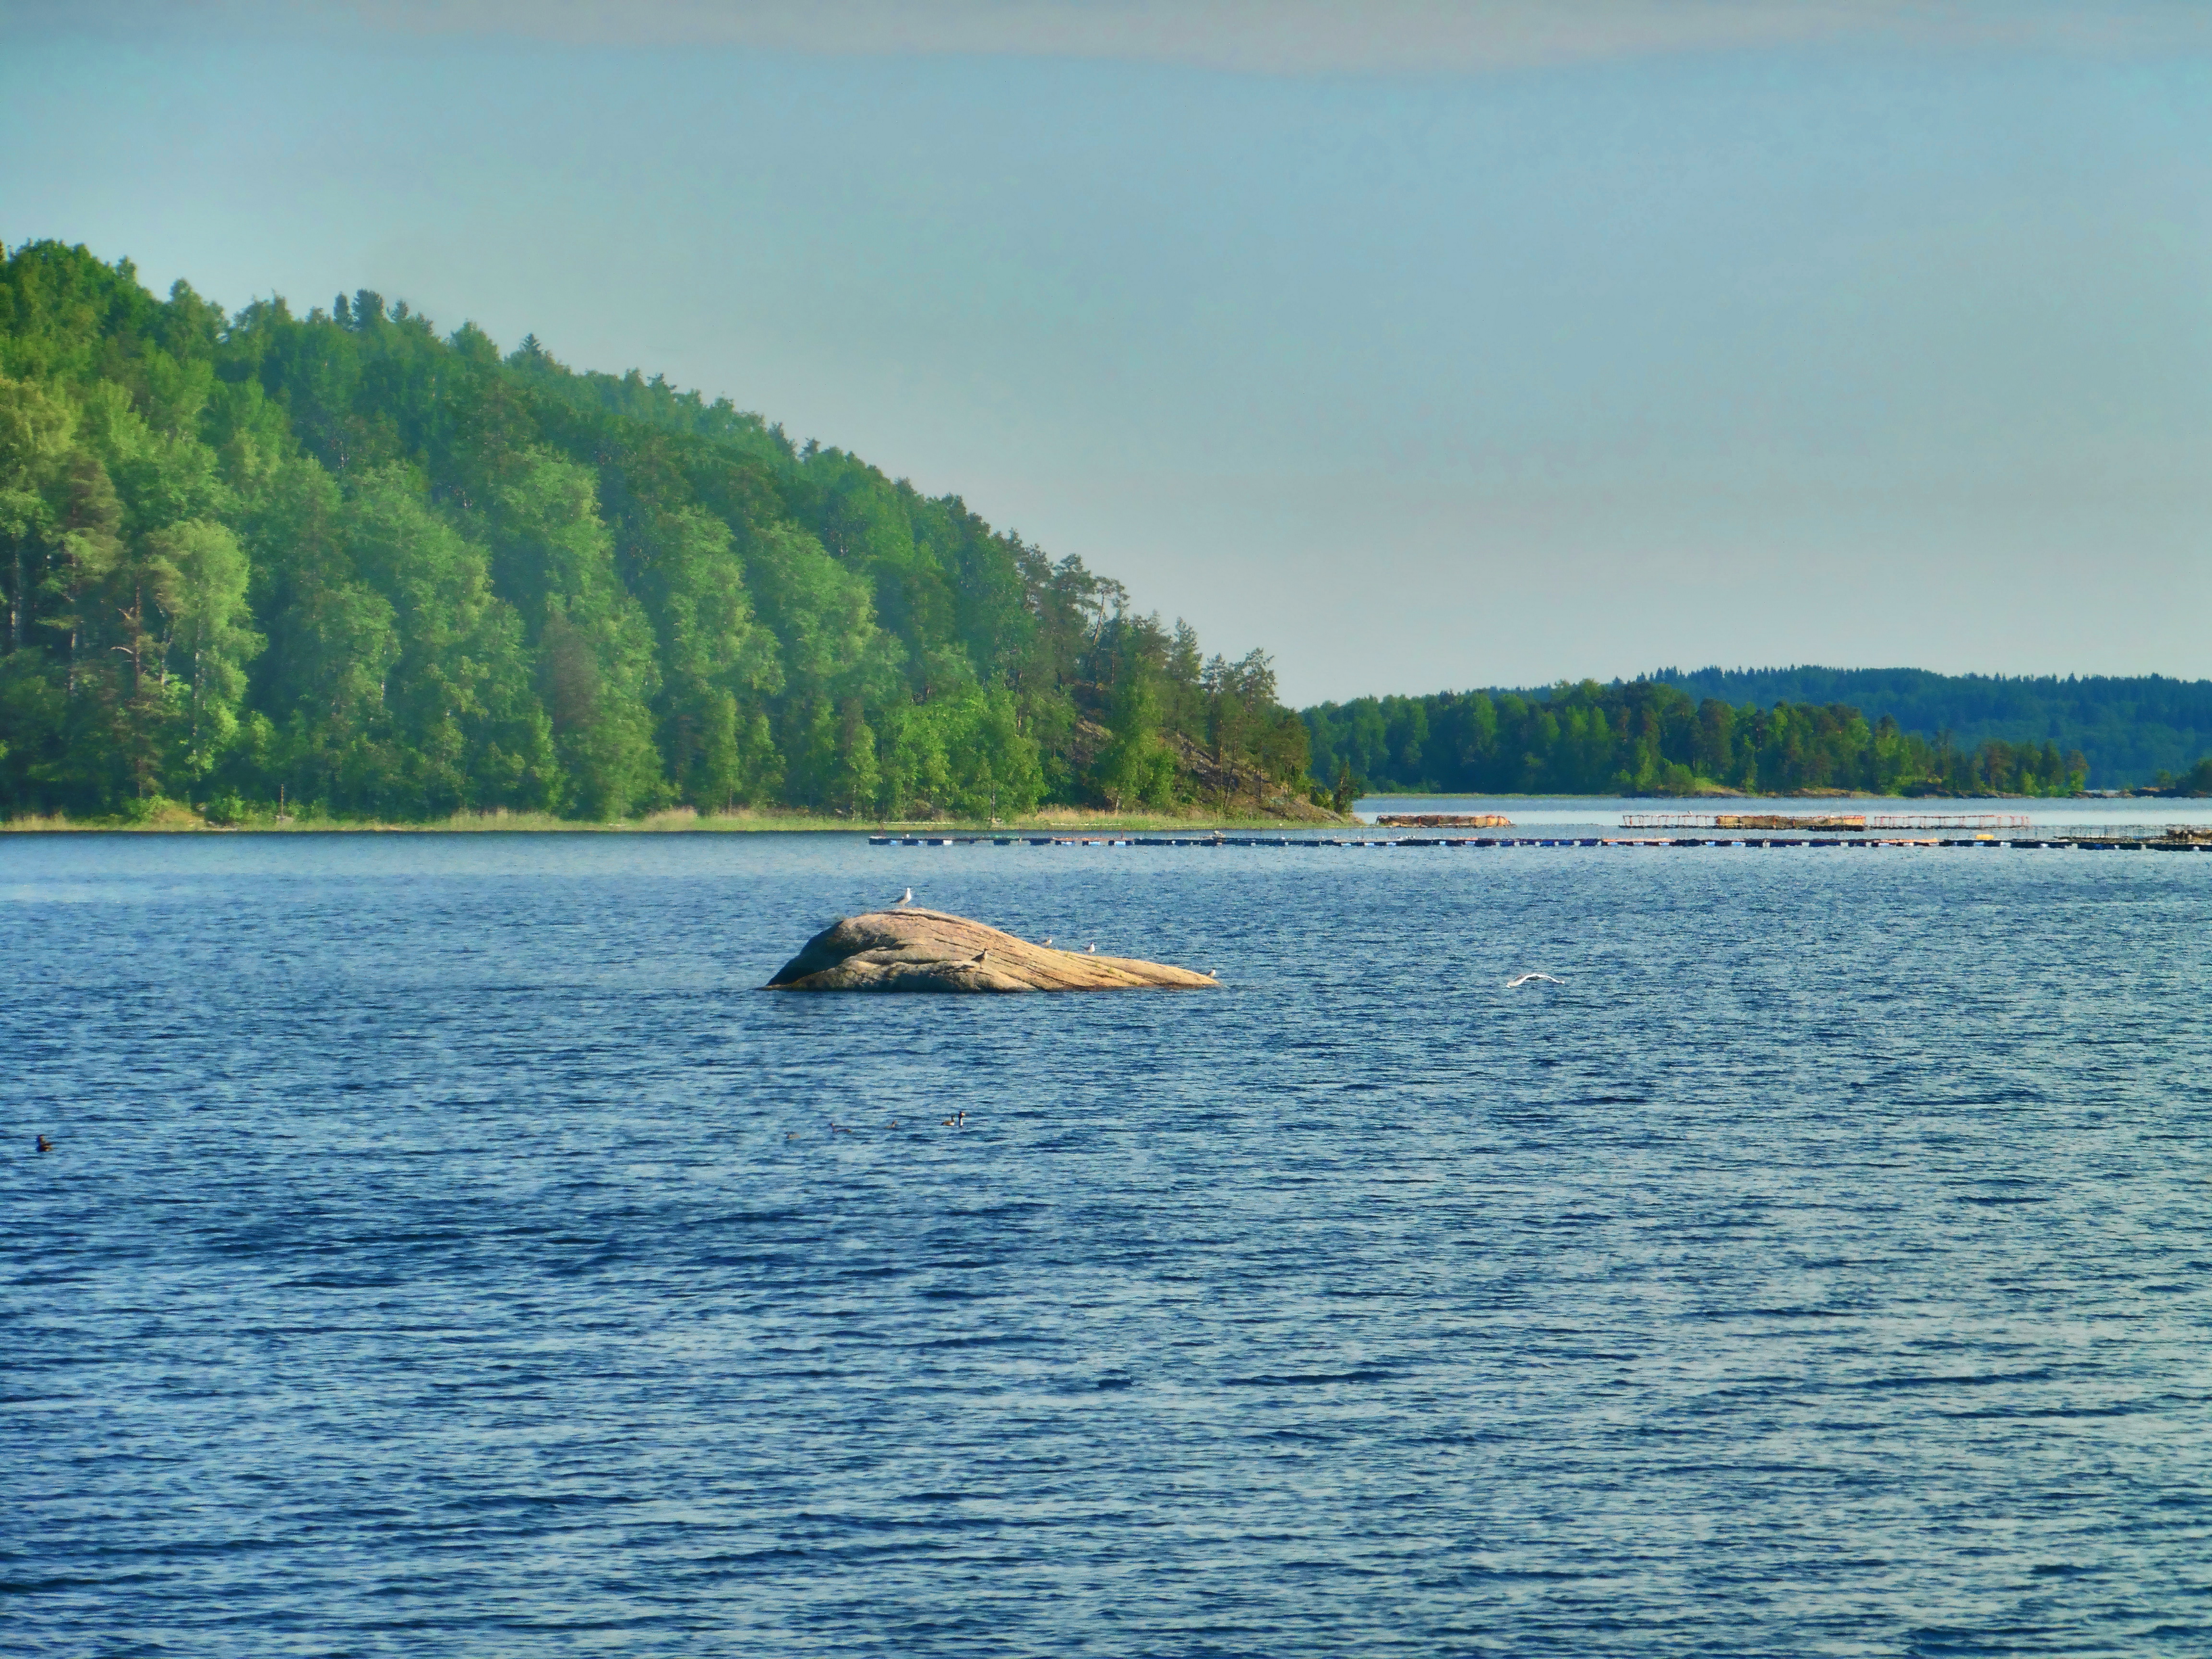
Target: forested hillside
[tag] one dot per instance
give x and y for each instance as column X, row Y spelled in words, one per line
column 345, row 561
column 1646, row 737
column 2131, row 728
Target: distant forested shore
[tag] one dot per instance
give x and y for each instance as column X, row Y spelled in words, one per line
column 1652, row 737
column 2132, row 729
column 348, row 565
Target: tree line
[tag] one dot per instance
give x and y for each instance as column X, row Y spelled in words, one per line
column 348, row 563
column 2134, row 728
column 1648, row 737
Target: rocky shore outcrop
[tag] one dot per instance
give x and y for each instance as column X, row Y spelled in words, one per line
column 911, row 949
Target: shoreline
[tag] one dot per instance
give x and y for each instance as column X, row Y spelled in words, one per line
column 660, row 823
column 1690, row 801
column 178, row 820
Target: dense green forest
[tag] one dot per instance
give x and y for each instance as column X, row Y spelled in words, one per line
column 345, row 562
column 1649, row 737
column 372, row 571
column 2132, row 729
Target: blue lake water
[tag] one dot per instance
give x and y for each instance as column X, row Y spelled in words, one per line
column 446, row 1250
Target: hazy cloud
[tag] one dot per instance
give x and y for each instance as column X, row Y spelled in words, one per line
column 1265, row 37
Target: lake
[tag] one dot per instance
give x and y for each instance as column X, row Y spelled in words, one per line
column 446, row 1250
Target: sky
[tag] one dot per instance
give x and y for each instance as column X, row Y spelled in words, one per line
column 1423, row 346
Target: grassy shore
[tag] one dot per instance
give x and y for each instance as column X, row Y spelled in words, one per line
column 171, row 817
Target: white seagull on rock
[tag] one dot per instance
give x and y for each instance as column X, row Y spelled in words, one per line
column 907, row 898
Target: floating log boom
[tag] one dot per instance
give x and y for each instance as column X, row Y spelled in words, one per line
column 1825, row 822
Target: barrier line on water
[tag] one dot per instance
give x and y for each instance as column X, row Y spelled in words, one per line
column 2147, row 838
column 1817, row 822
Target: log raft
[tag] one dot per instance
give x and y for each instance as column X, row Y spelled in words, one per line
column 911, row 949
column 1445, row 821
column 1788, row 821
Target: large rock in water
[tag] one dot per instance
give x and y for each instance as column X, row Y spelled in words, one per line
column 916, row 950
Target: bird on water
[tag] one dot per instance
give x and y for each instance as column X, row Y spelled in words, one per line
column 44, row 1144
column 1514, row 984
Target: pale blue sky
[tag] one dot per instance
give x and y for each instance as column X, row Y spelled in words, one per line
column 1423, row 346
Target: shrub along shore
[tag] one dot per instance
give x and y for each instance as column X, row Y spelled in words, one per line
column 174, row 818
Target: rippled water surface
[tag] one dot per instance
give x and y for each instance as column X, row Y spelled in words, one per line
column 446, row 1251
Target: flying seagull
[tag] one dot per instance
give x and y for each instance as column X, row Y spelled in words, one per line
column 1511, row 984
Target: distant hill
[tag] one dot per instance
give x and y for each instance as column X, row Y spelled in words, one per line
column 2130, row 728
column 1882, row 732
